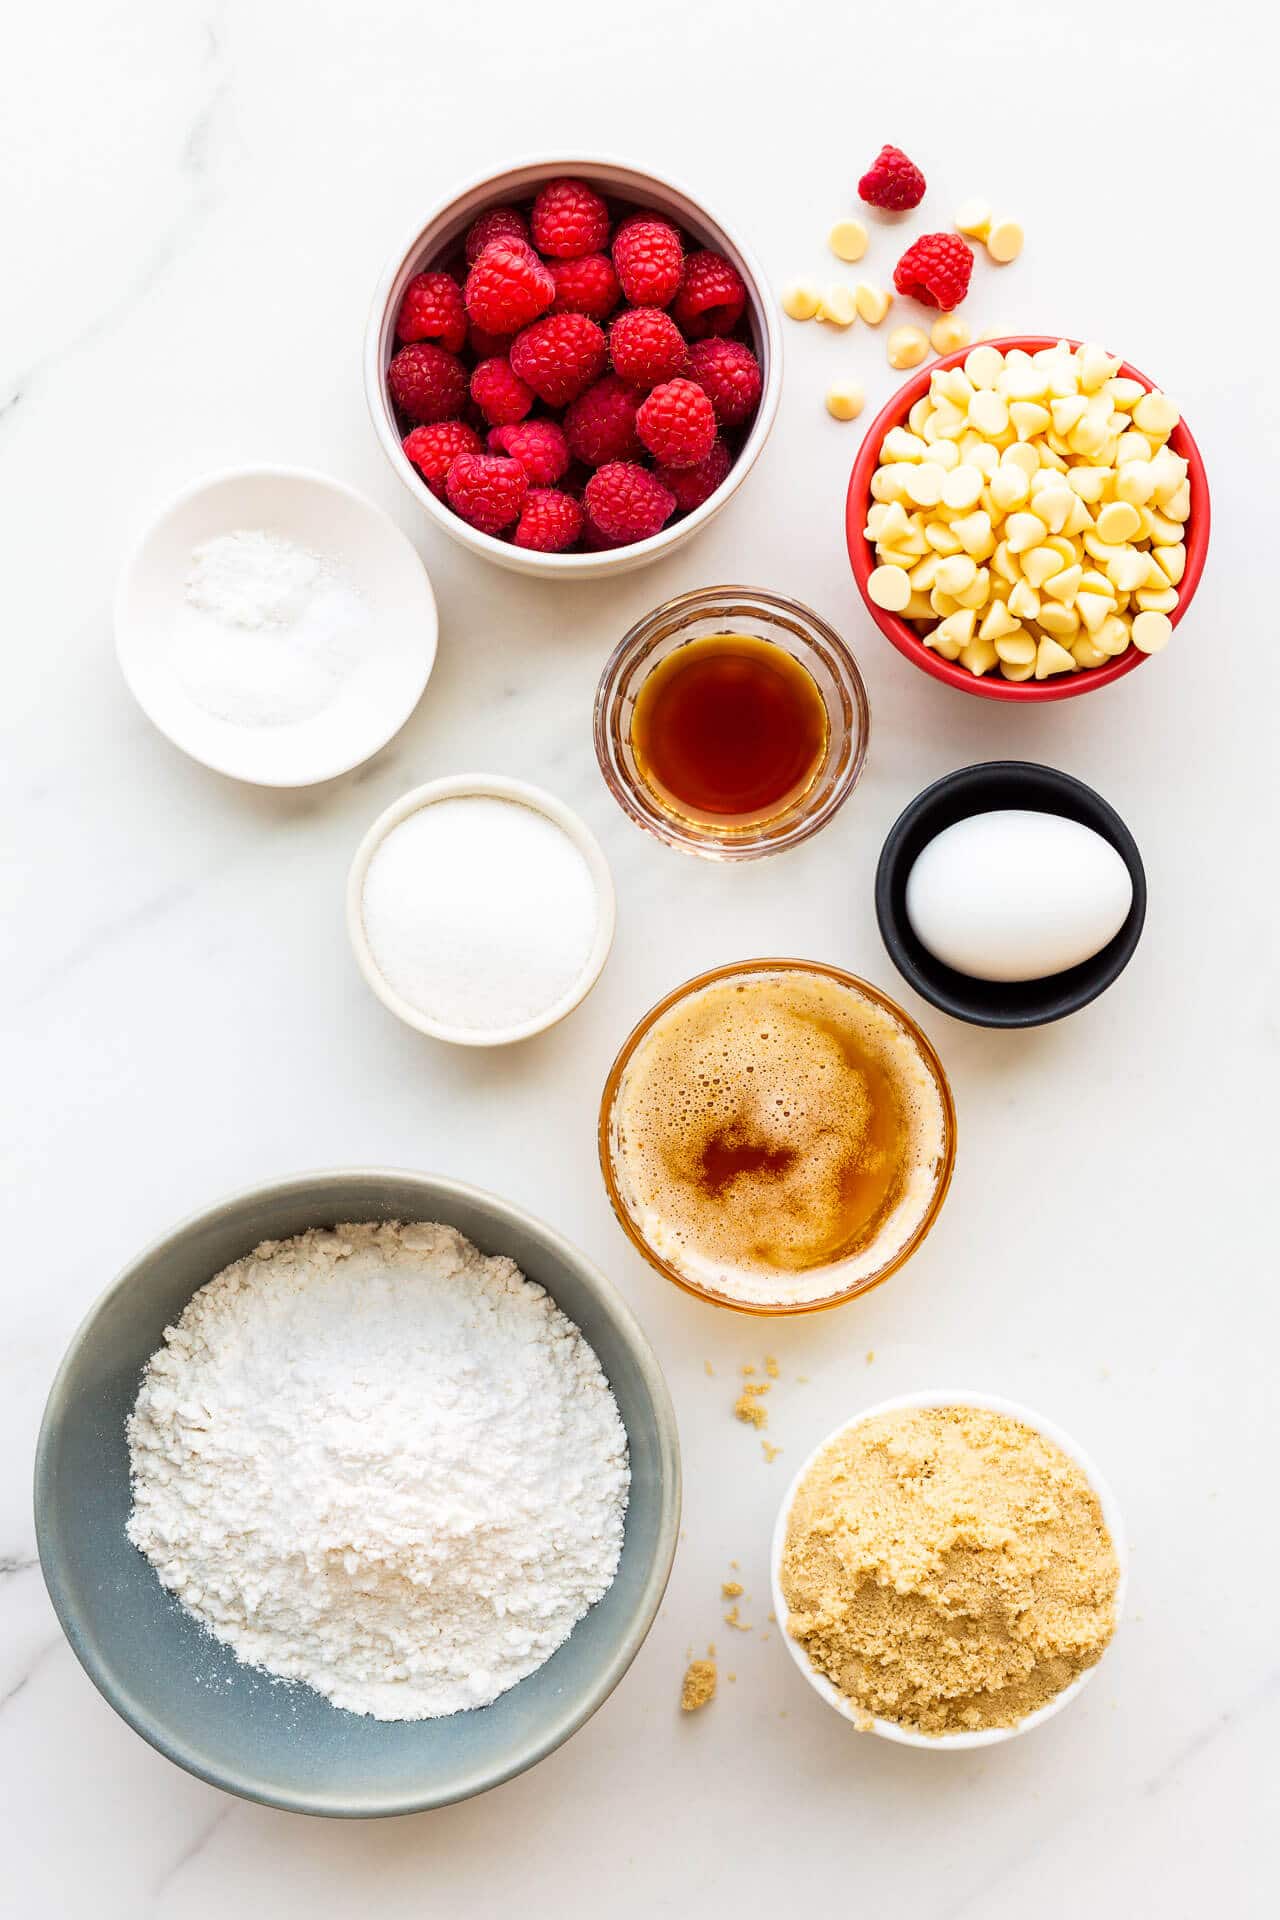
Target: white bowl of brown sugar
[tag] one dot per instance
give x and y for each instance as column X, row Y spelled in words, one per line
column 948, row 1569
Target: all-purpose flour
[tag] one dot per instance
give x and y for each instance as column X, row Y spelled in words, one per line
column 375, row 1460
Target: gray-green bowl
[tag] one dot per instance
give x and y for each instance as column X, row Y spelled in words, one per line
column 187, row 1694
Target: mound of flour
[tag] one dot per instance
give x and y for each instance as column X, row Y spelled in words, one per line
column 376, row 1461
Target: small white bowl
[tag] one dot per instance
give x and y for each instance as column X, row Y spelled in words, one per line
column 488, row 786
column 444, row 229
column 322, row 515
column 889, row 1729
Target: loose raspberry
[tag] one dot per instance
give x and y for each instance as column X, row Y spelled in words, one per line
column 711, row 298
column 729, row 374
column 500, row 394
column 601, row 423
column 508, row 287
column 496, row 223
column 626, row 502
column 432, row 309
column 426, row 383
column 568, row 220
column 432, row 449
column 935, row 270
column 646, row 346
column 550, row 522
column 486, row 490
column 892, row 181
column 539, row 446
column 678, row 424
column 692, row 485
column 649, row 256
column 560, row 356
column 588, row 286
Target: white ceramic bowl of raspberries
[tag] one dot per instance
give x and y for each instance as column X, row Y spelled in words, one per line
column 573, row 366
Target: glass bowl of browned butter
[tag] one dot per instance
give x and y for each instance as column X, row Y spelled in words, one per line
column 731, row 722
column 777, row 1136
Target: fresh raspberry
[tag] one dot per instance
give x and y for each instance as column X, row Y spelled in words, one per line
column 601, row 423
column 550, row 522
column 711, row 298
column 486, row 345
column 626, row 502
column 692, row 485
column 729, row 374
column 560, row 356
column 431, row 450
column 500, row 394
column 935, row 270
column 486, row 490
column 649, row 256
column 496, row 223
column 588, row 286
column 568, row 220
column 678, row 424
column 508, row 287
column 432, row 309
column 892, row 181
column 539, row 446
column 646, row 346
column 426, row 383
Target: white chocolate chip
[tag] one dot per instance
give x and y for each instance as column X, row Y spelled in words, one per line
column 948, row 334
column 848, row 240
column 1151, row 631
column 837, row 307
column 974, row 219
column 1051, row 658
column 1004, row 242
column 906, row 347
column 889, row 588
column 801, row 300
column 845, row 399
column 872, row 303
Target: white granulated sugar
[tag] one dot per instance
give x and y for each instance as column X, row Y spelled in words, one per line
column 269, row 632
column 375, row 1460
column 480, row 912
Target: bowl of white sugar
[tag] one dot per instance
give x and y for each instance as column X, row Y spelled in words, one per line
column 480, row 909
column 358, row 1493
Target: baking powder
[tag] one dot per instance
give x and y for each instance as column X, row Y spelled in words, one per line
column 375, row 1460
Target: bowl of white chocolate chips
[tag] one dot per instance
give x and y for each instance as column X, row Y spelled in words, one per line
column 1028, row 519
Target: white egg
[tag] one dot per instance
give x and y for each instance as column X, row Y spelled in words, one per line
column 1016, row 895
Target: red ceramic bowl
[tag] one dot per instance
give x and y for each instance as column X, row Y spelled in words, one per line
column 993, row 686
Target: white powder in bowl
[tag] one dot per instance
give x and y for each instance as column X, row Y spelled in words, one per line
column 480, row 912
column 269, row 632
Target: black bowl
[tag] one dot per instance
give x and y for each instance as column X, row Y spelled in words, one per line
column 990, row 787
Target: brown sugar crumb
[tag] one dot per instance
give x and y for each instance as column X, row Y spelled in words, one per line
column 802, row 1379
column 730, row 1589
column 747, row 1371
column 698, row 1686
column 771, row 1366
column 733, row 1619
column 770, row 1453
column 871, row 1354
column 948, row 1569
column 747, row 1406
column 709, row 1370
column 731, row 1676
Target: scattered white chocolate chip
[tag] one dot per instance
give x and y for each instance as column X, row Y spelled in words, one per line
column 974, row 219
column 801, row 300
column 1004, row 243
column 907, row 347
column 948, row 334
column 837, row 307
column 872, row 302
column 848, row 240
column 1151, row 632
column 845, row 399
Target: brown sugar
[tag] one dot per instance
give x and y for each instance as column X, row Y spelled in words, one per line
column 770, row 1453
column 730, row 1589
column 948, row 1569
column 747, row 1406
column 698, row 1686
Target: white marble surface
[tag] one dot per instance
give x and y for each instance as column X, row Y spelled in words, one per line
column 199, row 200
